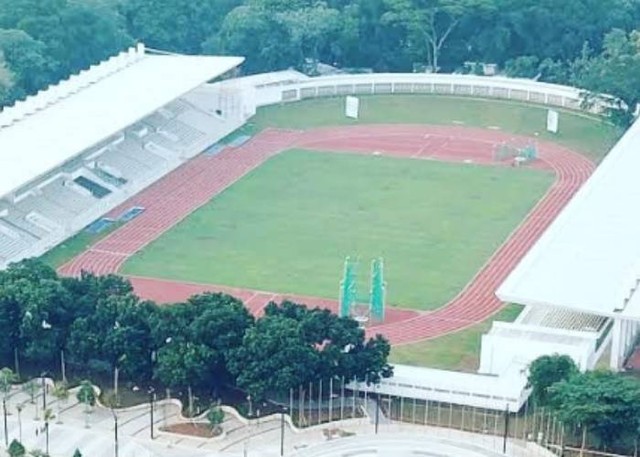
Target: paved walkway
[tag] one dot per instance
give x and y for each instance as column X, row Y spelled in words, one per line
column 92, row 431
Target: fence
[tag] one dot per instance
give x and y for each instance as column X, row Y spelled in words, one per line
column 323, row 402
column 436, row 84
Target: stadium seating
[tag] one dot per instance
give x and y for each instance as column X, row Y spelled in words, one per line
column 96, row 189
column 562, row 319
column 104, row 176
column 13, row 217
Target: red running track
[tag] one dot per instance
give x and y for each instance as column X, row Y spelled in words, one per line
column 174, row 197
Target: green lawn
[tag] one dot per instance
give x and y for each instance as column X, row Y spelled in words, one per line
column 288, row 226
column 74, row 246
column 586, row 134
column 459, row 351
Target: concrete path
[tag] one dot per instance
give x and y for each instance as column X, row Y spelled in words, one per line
column 93, row 432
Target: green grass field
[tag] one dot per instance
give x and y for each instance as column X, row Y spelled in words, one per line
column 458, row 351
column 586, row 134
column 288, row 226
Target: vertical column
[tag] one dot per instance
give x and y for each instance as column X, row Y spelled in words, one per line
column 615, row 361
column 628, row 337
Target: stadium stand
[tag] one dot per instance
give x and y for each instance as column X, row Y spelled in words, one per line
column 587, row 259
column 102, row 136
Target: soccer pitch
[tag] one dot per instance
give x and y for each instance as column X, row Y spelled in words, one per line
column 288, row 226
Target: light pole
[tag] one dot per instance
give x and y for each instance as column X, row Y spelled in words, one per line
column 115, row 384
column 19, row 409
column 16, row 360
column 44, row 392
column 506, row 430
column 46, row 431
column 284, row 410
column 63, row 366
column 6, row 429
column 115, row 431
column 151, row 393
column 377, row 411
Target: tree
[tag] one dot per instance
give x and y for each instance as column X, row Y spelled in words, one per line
column 254, row 32
column 6, row 82
column 27, row 60
column 86, row 394
column 7, row 378
column 615, row 71
column 182, row 365
column 176, row 25
column 293, row 345
column 432, row 21
column 273, row 358
column 311, row 30
column 603, row 403
column 77, row 453
column 547, row 370
column 31, row 388
column 201, row 331
column 16, row 449
column 215, row 417
column 11, row 315
column 546, row 29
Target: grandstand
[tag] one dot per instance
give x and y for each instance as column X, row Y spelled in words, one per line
column 587, row 263
column 78, row 149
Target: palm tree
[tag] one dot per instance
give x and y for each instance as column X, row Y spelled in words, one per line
column 31, row 388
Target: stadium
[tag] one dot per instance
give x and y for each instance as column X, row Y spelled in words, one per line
column 167, row 171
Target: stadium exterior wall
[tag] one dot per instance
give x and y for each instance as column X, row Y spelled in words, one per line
column 521, row 90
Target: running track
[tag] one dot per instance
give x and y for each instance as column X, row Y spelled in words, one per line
column 174, row 197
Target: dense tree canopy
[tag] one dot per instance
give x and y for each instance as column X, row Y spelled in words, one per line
column 605, row 404
column 546, row 371
column 208, row 341
column 616, row 70
column 42, row 41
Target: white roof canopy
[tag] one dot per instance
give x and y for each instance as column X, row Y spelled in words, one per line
column 68, row 118
column 589, row 258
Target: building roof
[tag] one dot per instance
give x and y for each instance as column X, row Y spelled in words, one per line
column 44, row 131
column 589, row 257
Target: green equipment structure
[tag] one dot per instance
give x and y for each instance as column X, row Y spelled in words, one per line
column 348, row 289
column 351, row 304
column 378, row 291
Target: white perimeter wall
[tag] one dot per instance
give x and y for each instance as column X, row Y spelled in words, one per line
column 420, row 83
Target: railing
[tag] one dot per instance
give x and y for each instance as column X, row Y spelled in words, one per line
column 522, row 90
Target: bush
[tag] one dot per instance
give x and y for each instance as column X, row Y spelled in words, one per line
column 215, row 416
column 16, row 449
column 86, row 394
